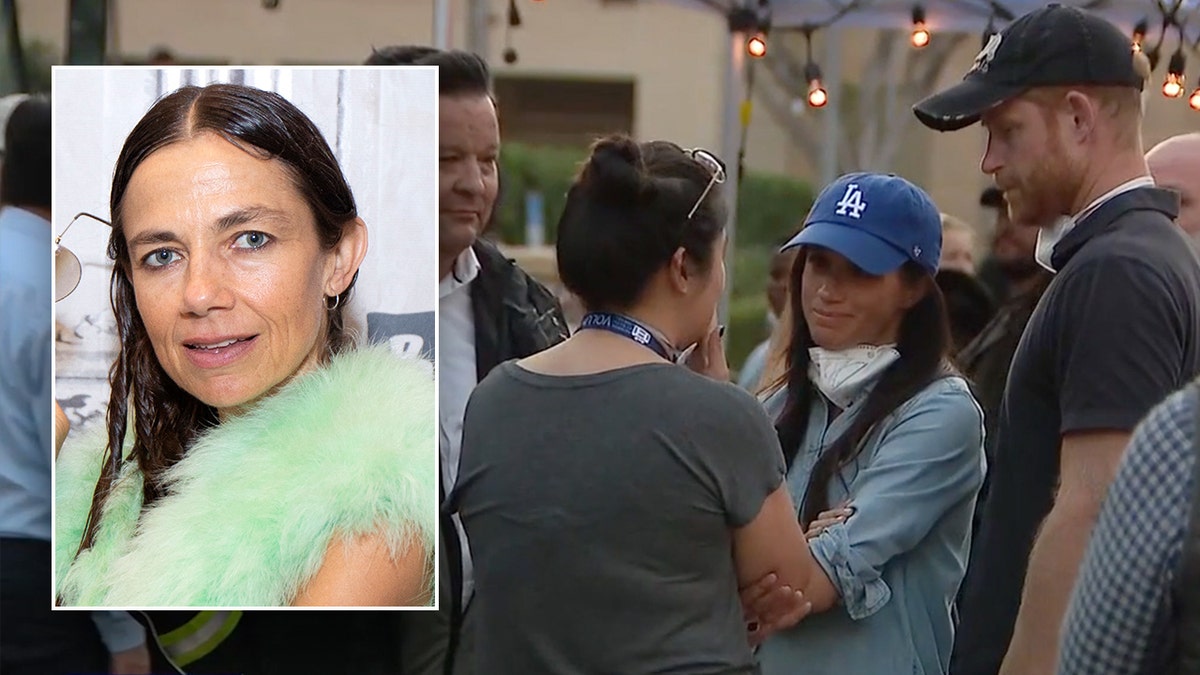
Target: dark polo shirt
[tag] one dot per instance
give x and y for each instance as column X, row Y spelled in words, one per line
column 1117, row 330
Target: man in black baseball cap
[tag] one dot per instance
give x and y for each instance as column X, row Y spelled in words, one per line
column 1059, row 94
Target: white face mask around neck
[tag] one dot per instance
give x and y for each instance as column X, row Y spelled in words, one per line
column 843, row 375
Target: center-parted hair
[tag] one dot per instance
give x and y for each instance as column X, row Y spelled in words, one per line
column 165, row 418
column 627, row 214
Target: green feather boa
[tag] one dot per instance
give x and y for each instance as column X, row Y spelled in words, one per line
column 250, row 510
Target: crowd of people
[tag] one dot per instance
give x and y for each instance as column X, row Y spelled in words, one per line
column 935, row 463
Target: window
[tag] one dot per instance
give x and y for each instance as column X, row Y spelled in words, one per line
column 562, row 111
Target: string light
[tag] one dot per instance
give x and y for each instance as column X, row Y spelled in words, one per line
column 817, row 96
column 1173, row 86
column 1194, row 100
column 920, row 32
column 756, row 46
column 1139, row 34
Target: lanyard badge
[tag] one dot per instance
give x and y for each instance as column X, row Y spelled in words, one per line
column 628, row 328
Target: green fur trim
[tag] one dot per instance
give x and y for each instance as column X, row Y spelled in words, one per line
column 348, row 449
column 76, row 472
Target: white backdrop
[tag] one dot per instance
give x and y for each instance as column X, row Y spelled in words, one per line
column 382, row 126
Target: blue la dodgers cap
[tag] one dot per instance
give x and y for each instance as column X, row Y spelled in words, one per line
column 876, row 221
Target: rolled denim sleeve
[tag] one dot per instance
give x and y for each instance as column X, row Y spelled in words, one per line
column 119, row 630
column 928, row 461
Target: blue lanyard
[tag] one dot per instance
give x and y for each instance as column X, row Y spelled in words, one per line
column 625, row 327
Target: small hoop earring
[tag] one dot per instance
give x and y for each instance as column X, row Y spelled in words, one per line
column 337, row 300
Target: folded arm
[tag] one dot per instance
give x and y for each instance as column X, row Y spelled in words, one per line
column 927, row 463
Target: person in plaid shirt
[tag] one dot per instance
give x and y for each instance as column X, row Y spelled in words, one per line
column 1122, row 616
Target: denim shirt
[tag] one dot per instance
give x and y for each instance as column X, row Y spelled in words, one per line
column 898, row 561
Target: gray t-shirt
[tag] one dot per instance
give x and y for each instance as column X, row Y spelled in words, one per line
column 599, row 511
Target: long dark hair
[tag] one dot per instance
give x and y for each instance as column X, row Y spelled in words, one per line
column 924, row 346
column 166, row 419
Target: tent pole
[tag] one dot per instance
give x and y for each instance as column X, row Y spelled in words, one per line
column 441, row 24
column 730, row 144
column 833, row 113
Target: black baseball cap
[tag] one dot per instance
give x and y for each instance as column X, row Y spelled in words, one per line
column 1056, row 45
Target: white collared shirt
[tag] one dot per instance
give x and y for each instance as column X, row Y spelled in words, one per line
column 456, row 379
column 1049, row 237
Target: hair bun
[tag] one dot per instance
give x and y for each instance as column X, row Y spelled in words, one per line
column 615, row 172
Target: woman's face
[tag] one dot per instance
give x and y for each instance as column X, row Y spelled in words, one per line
column 702, row 316
column 227, row 271
column 845, row 307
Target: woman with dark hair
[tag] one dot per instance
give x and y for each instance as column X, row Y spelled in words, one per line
column 883, row 440
column 614, row 500
column 252, row 456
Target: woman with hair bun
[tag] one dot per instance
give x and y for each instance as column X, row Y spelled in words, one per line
column 615, row 500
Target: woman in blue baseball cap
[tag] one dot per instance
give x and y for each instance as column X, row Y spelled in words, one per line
column 882, row 438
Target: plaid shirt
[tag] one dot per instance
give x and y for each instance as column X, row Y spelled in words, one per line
column 1125, row 587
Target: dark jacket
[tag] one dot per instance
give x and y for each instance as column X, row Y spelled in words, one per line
column 515, row 316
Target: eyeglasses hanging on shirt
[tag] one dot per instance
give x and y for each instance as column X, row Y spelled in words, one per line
column 67, row 269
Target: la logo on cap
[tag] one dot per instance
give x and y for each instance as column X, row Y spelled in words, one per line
column 852, row 203
column 983, row 60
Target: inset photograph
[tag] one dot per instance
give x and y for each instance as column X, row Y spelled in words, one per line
column 245, row 271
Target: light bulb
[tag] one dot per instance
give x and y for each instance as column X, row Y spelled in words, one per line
column 1173, row 87
column 920, row 32
column 757, row 46
column 817, row 96
column 920, row 36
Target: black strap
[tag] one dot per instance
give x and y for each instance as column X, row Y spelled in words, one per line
column 1188, row 644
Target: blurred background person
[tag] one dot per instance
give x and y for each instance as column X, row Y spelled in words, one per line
column 991, row 270
column 968, row 301
column 967, row 304
column 1175, row 165
column 882, row 438
column 780, row 271
column 162, row 56
column 34, row 640
column 958, row 245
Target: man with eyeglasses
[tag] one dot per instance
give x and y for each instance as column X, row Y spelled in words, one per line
column 489, row 311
